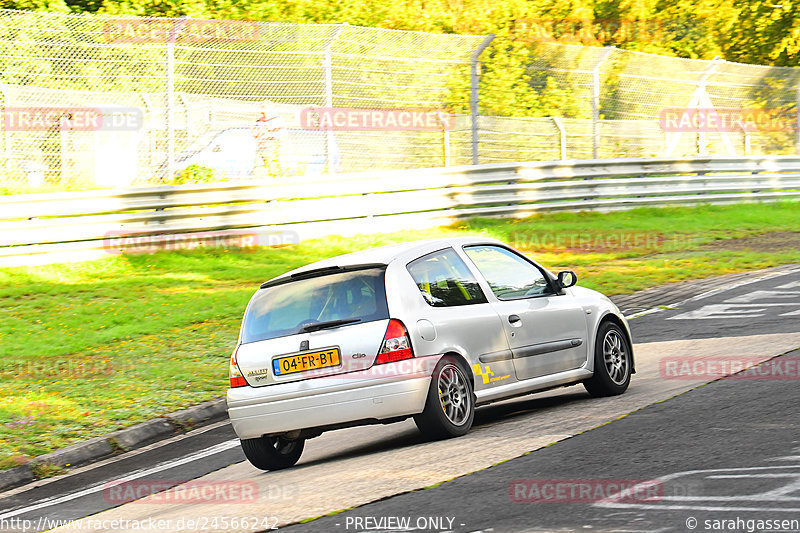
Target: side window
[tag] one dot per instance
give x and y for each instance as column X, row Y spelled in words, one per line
column 444, row 280
column 509, row 275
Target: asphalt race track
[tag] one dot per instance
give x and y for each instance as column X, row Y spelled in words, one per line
column 769, row 306
column 727, row 450
column 721, row 452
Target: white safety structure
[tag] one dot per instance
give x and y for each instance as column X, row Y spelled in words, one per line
column 57, row 226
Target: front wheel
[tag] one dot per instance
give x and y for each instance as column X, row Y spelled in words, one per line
column 612, row 362
column 272, row 453
column 450, row 406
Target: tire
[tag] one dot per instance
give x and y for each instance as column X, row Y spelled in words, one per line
column 272, row 453
column 450, row 406
column 612, row 362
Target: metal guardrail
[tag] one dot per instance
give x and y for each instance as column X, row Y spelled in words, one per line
column 52, row 227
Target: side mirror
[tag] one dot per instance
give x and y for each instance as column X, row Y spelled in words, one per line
column 567, row 278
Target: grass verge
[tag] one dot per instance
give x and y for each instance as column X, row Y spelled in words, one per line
column 88, row 348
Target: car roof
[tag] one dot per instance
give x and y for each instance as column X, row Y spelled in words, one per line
column 383, row 255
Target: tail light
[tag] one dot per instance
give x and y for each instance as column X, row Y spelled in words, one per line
column 237, row 379
column 396, row 344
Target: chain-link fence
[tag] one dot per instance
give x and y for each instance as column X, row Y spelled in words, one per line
column 619, row 103
column 100, row 101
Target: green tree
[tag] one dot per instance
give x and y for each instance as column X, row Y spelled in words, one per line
column 56, row 6
column 765, row 33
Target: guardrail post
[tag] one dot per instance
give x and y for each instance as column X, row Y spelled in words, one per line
column 327, row 80
column 474, row 79
column 746, row 137
column 174, row 33
column 562, row 133
column 596, row 101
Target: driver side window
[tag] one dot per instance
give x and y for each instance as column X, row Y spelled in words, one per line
column 509, row 275
column 444, row 280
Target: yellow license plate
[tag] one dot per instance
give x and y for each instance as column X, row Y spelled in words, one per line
column 306, row 361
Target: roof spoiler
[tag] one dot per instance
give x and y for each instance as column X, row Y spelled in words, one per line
column 318, row 272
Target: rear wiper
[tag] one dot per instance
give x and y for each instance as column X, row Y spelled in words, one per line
column 329, row 324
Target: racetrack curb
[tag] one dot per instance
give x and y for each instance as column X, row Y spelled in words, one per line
column 118, row 441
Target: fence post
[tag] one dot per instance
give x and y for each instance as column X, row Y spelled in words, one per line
column 169, row 122
column 745, row 137
column 187, row 113
column 174, row 33
column 596, row 100
column 327, row 73
column 797, row 117
column 562, row 133
column 445, row 138
column 6, row 139
column 474, row 79
column 705, row 99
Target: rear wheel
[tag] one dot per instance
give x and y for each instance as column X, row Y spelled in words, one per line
column 450, row 407
column 612, row 362
column 273, row 453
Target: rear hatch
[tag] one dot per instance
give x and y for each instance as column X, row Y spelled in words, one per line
column 320, row 323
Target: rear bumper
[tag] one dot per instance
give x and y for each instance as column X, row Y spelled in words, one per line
column 379, row 393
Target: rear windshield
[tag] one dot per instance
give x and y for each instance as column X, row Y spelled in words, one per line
column 285, row 309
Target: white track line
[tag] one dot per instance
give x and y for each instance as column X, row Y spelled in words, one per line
column 712, row 292
column 109, row 460
column 219, row 448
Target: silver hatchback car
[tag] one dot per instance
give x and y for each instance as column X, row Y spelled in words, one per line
column 427, row 329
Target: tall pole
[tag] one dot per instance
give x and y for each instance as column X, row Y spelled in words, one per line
column 327, row 81
column 474, row 79
column 445, row 139
column 170, row 124
column 705, row 99
column 596, row 101
column 6, row 138
column 170, row 94
column 562, row 136
column 797, row 117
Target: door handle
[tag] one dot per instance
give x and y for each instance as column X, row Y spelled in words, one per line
column 513, row 319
